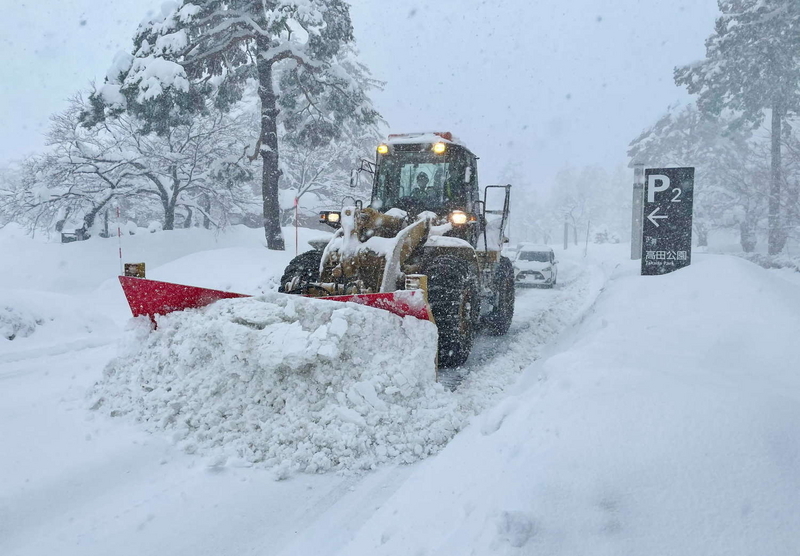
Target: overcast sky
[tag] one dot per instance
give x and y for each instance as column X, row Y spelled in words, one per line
column 551, row 83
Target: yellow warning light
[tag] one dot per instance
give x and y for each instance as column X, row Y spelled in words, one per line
column 383, row 149
column 439, row 148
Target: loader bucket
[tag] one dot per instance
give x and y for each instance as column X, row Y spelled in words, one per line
column 151, row 298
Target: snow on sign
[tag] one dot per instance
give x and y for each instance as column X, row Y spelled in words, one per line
column 667, row 224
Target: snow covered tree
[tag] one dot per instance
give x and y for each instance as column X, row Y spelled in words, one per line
column 298, row 52
column 198, row 167
column 730, row 168
column 319, row 176
column 752, row 65
column 582, row 197
column 791, row 175
column 11, row 177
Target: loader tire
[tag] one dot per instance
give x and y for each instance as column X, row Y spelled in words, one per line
column 498, row 321
column 453, row 297
column 304, row 266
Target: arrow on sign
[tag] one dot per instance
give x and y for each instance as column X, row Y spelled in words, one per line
column 652, row 216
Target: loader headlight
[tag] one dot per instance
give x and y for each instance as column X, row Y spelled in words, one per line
column 458, row 217
column 439, row 148
column 383, row 149
column 331, row 218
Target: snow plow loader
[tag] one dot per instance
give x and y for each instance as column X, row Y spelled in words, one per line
column 427, row 228
column 425, row 246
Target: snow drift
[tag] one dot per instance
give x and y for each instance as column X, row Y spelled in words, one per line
column 666, row 423
column 35, row 320
column 292, row 383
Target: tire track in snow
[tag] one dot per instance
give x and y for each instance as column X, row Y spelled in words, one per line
column 53, row 350
column 540, row 316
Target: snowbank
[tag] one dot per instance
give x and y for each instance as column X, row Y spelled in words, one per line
column 83, row 266
column 666, row 423
column 287, row 382
column 32, row 320
column 16, row 323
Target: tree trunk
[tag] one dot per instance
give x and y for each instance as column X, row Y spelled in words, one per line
column 205, row 203
column 747, row 237
column 777, row 235
column 188, row 222
column 268, row 140
column 89, row 217
column 60, row 224
column 793, row 205
column 287, row 215
column 702, row 235
column 169, row 216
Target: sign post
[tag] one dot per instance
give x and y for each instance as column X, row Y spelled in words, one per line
column 636, row 211
column 667, row 222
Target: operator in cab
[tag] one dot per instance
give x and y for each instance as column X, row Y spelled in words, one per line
column 422, row 191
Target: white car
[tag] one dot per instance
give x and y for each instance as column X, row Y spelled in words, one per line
column 535, row 265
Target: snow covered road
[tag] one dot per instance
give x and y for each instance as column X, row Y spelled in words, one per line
column 570, row 441
column 76, row 482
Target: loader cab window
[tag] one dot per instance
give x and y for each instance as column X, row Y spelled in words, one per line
column 424, row 181
column 420, row 180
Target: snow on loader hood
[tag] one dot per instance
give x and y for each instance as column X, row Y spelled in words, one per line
column 286, row 382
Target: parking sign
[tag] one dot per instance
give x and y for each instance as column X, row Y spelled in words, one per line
column 667, row 225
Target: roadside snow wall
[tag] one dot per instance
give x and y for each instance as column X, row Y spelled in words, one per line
column 666, row 423
column 287, row 382
column 35, row 319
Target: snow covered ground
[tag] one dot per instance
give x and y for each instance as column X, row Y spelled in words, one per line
column 666, row 423
column 621, row 415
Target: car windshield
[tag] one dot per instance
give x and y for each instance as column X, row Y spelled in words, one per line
column 536, row 256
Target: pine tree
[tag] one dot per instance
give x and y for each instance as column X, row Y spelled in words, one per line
column 752, row 64
column 299, row 53
column 729, row 164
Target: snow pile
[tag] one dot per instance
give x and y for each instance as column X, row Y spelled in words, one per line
column 773, row 261
column 286, row 382
column 41, row 318
column 15, row 323
column 307, row 409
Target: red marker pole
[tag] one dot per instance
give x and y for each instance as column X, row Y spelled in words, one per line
column 119, row 240
column 296, row 233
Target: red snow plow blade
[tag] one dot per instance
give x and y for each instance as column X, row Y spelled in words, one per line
column 151, row 298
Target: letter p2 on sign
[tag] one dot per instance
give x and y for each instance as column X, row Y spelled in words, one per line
column 667, row 220
column 653, row 186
